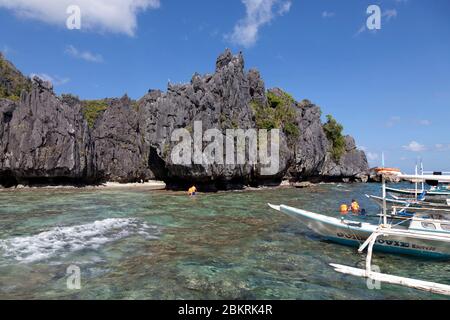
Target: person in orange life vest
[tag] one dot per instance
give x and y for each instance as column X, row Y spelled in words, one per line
column 355, row 206
column 344, row 209
column 192, row 191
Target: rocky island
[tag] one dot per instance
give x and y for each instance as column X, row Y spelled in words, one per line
column 50, row 139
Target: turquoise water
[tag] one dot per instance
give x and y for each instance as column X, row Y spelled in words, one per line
column 165, row 245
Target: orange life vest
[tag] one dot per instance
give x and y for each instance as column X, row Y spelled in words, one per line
column 192, row 190
column 355, row 207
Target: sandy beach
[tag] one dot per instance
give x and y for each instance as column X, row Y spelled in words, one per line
column 149, row 185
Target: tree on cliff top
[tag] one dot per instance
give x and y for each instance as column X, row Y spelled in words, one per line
column 333, row 131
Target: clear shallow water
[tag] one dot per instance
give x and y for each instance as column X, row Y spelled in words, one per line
column 165, row 245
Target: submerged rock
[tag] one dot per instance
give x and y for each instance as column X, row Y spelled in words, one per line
column 302, row 184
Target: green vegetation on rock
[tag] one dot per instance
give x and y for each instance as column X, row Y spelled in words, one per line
column 135, row 105
column 12, row 82
column 92, row 109
column 277, row 114
column 284, row 99
column 333, row 131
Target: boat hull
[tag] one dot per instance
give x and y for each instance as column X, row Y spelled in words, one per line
column 411, row 192
column 411, row 204
column 354, row 234
column 389, row 202
column 431, row 195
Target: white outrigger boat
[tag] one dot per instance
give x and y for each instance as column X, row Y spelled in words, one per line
column 421, row 235
column 401, row 239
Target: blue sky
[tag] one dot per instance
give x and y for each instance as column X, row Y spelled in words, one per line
column 390, row 88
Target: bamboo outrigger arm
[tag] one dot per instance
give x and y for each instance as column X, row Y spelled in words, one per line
column 371, row 243
column 386, row 278
column 373, row 237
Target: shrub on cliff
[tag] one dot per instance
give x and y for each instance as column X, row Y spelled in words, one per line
column 277, row 114
column 92, row 109
column 280, row 99
column 333, row 131
column 12, row 82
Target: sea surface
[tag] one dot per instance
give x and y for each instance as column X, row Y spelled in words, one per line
column 135, row 244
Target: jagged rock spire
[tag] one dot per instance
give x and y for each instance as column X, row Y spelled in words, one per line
column 227, row 57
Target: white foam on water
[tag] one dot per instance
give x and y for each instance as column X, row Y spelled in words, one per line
column 63, row 240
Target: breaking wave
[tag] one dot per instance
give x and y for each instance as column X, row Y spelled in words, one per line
column 62, row 240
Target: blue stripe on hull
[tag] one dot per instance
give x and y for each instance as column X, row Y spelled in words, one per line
column 388, row 249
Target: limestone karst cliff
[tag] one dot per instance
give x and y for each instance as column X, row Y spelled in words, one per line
column 49, row 139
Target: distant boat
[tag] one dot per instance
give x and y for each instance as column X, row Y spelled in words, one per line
column 389, row 202
column 407, row 202
column 411, row 192
column 439, row 182
column 439, row 191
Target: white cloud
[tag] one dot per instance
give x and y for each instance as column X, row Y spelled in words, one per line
column 372, row 156
column 259, row 13
column 360, row 30
column 414, row 146
column 328, row 14
column 5, row 50
column 285, row 7
column 214, row 33
column 425, row 122
column 55, row 80
column 442, row 147
column 84, row 55
column 392, row 121
column 390, row 13
column 117, row 16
